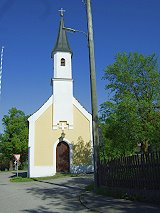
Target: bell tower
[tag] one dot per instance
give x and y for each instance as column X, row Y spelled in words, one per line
column 62, row 79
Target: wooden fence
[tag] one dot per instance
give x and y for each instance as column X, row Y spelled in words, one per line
column 140, row 172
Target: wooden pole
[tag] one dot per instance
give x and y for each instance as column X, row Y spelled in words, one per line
column 93, row 90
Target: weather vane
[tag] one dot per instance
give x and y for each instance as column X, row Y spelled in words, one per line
column 61, row 12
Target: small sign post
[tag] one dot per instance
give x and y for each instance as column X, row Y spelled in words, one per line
column 17, row 157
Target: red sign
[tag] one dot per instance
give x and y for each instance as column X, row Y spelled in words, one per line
column 17, row 156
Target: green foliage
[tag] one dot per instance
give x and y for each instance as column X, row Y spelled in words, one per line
column 89, row 187
column 132, row 115
column 14, row 140
column 4, row 163
column 82, row 152
column 20, row 179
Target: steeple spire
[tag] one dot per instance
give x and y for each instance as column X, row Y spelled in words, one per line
column 62, row 44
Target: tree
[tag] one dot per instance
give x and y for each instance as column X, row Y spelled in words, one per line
column 132, row 115
column 15, row 137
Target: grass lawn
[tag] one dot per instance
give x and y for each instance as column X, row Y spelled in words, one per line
column 23, row 177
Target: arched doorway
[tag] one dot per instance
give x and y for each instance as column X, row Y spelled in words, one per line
column 62, row 157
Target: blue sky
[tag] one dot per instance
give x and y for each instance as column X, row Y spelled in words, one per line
column 28, row 30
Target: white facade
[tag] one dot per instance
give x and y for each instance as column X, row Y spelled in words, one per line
column 62, row 113
column 62, row 90
column 43, row 171
column 62, row 71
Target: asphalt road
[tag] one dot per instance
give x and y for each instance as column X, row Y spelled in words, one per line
column 51, row 196
column 61, row 196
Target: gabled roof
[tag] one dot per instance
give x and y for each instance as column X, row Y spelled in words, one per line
column 50, row 101
column 62, row 44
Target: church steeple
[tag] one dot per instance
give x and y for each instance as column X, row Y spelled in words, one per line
column 62, row 80
column 62, row 44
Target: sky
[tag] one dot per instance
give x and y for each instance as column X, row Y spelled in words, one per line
column 28, row 32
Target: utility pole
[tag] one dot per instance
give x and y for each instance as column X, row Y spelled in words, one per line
column 95, row 133
column 93, row 91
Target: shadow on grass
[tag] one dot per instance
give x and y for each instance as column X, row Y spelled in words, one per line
column 22, row 174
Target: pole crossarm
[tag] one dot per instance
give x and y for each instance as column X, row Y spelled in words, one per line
column 75, row 31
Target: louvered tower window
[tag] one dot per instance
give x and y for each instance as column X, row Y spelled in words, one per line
column 62, row 62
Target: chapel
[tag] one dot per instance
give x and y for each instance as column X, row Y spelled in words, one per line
column 61, row 121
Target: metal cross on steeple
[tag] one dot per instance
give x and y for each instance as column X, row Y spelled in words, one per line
column 61, row 11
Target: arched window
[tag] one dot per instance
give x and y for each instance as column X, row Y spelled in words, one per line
column 62, row 62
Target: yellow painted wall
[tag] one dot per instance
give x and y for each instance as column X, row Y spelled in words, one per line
column 45, row 136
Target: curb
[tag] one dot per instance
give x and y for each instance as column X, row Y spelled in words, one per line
column 84, row 202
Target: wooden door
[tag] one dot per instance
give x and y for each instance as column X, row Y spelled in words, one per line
column 62, row 157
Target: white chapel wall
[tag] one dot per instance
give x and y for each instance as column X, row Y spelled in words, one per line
column 45, row 138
